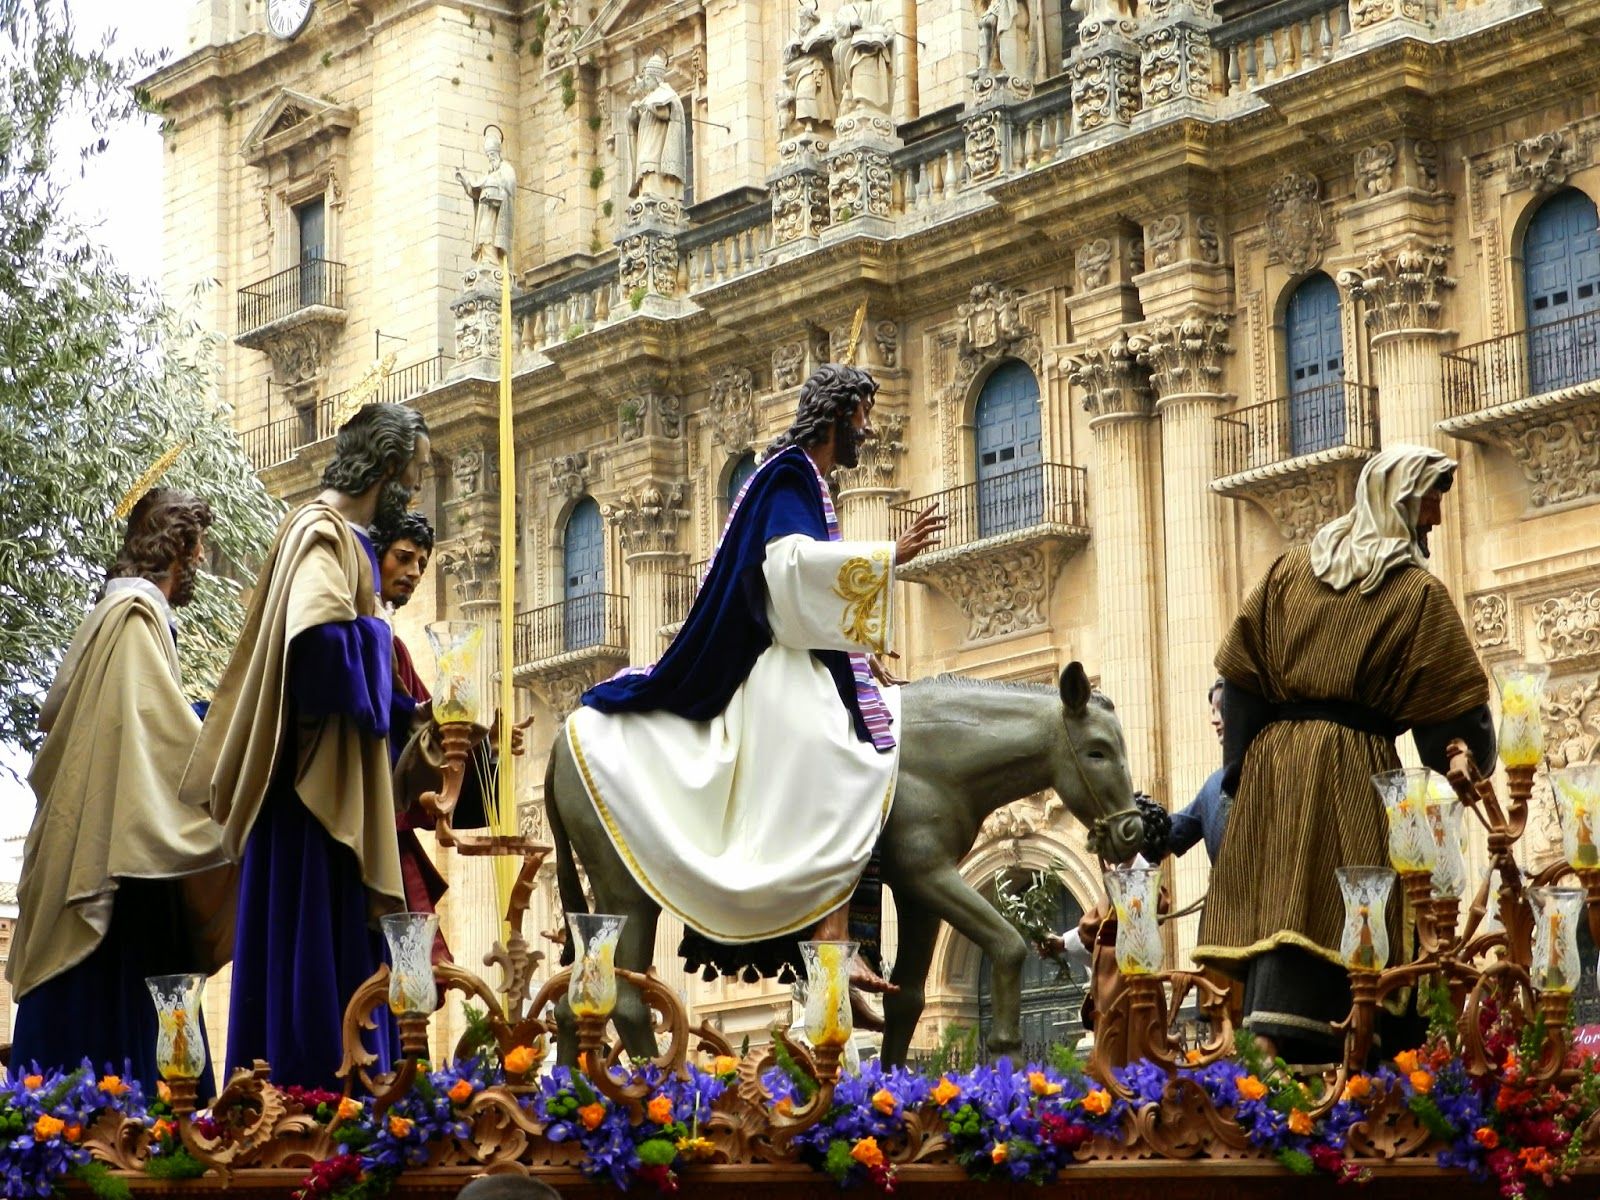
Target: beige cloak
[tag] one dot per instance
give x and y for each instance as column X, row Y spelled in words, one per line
column 118, row 729
column 316, row 573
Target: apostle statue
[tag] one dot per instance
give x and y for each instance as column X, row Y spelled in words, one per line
column 293, row 760
column 1005, row 39
column 707, row 764
column 864, row 47
column 1343, row 646
column 494, row 196
column 659, row 134
column 119, row 882
column 808, row 102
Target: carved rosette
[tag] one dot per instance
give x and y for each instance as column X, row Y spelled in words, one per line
column 1111, row 380
column 860, row 183
column 1184, row 357
column 647, row 518
column 1297, row 228
column 992, row 328
column 732, row 412
column 879, row 457
column 473, row 568
column 1401, row 289
column 1175, row 51
column 650, row 414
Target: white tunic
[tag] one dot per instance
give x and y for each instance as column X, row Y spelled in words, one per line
column 759, row 821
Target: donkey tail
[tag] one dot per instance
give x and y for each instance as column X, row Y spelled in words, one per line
column 567, row 881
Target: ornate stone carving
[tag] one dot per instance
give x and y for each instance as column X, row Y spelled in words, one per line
column 1302, row 504
column 860, row 183
column 299, row 355
column 992, row 328
column 1558, row 450
column 1207, row 238
column 985, row 149
column 571, row 475
column 653, row 414
column 1003, row 593
column 1426, row 155
column 1375, row 168
column 808, row 99
column 466, row 472
column 788, row 365
column 1105, row 84
column 647, row 264
column 1175, row 51
column 1566, row 712
column 799, row 204
column 879, row 456
column 477, row 325
column 732, row 413
column 1297, row 229
column 657, row 133
column 1491, row 621
column 887, row 335
column 1110, row 378
column 1184, row 357
column 1568, row 626
column 647, row 518
column 561, row 687
column 1094, row 264
column 1543, row 162
column 1007, row 49
column 1163, row 240
column 473, row 569
column 1367, row 13
column 1401, row 288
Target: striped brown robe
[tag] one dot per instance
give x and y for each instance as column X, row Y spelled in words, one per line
column 1305, row 803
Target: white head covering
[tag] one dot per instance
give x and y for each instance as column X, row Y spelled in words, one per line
column 1379, row 533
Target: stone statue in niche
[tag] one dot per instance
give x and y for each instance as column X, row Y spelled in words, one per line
column 657, row 128
column 494, row 196
column 808, row 100
column 864, row 47
column 1005, row 38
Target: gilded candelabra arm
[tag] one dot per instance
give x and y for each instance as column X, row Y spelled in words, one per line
column 371, row 995
column 820, row 1064
column 599, row 1066
column 456, row 740
column 1367, row 991
column 708, row 1040
column 248, row 1091
column 1419, row 898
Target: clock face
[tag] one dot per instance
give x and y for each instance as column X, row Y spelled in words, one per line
column 288, row 17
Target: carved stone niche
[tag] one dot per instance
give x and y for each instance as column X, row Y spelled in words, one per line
column 1301, row 498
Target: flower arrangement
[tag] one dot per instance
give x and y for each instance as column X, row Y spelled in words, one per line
column 43, row 1120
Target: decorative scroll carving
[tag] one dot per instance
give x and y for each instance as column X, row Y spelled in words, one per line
column 788, row 365
column 647, row 518
column 571, row 475
column 1568, row 626
column 1543, row 162
column 1297, row 229
column 732, row 415
column 650, row 414
column 879, row 457
column 1375, row 168
column 1094, row 264
column 473, row 569
column 1426, row 155
column 992, row 328
column 860, row 183
column 299, row 354
column 1105, row 79
column 887, row 335
column 1110, row 378
column 466, row 472
column 1491, row 621
column 1401, row 288
column 1184, row 357
column 1001, row 594
column 1206, row 236
column 1302, row 504
column 1163, row 240
column 1175, row 51
column 985, row 149
column 1366, row 13
column 800, row 203
column 1557, row 444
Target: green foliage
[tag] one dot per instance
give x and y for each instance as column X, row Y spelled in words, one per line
column 327, row 58
column 1297, row 1161
column 803, row 1083
column 536, row 46
column 179, row 1164
column 657, row 1152
column 569, row 90
column 102, row 1184
column 838, row 1162
column 597, row 176
column 101, row 377
column 608, row 208
column 478, row 1038
column 594, row 124
column 1435, row 1003
column 845, row 213
column 957, row 1051
column 1065, row 1058
column 636, row 298
column 574, row 330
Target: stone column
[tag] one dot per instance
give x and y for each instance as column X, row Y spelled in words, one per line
column 1105, row 72
column 1175, row 58
column 647, row 517
column 866, row 490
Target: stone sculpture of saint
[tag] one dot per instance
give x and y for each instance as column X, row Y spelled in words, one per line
column 494, row 197
column 1005, row 36
column 657, row 126
column 864, row 48
column 809, row 100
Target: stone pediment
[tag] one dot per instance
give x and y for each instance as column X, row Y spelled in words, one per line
column 640, row 19
column 291, row 119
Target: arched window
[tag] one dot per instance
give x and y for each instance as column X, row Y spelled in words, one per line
column 583, row 581
column 1052, row 1002
column 1315, row 340
column 740, row 475
column 1010, row 492
column 1561, row 276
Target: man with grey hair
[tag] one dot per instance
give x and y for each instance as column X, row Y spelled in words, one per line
column 1342, row 647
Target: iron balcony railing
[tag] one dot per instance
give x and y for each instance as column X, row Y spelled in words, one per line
column 678, row 590
column 316, row 282
column 599, row 619
column 277, row 440
column 1517, row 365
column 1044, row 494
column 1335, row 415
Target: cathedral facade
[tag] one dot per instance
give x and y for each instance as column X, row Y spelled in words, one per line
column 1145, row 283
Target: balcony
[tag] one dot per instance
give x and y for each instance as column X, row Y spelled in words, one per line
column 309, row 292
column 1536, row 395
column 1297, row 457
column 1005, row 540
column 563, row 649
column 678, row 590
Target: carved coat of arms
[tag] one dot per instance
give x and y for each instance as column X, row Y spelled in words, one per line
column 1296, row 226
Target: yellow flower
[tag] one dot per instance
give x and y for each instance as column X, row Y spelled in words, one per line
column 695, row 1149
column 161, row 1130
column 945, row 1091
column 1039, row 1085
column 724, row 1064
column 1000, row 1153
column 867, row 1153
column 399, row 1127
column 1422, row 1081
column 1299, row 1122
column 520, row 1060
column 592, row 1114
column 1358, row 1087
column 659, row 1110
column 1407, row 1061
column 46, row 1127
column 112, row 1085
column 349, row 1109
column 461, row 1091
column 32, row 1081
column 1252, row 1088
column 883, row 1101
column 1097, row 1102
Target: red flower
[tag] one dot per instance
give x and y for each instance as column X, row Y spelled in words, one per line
column 1057, row 1131
column 882, row 1178
column 660, row 1175
column 1327, row 1159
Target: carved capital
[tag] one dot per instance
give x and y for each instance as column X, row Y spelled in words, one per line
column 647, row 517
column 879, row 456
column 1185, row 357
column 472, row 566
column 650, row 414
column 1402, row 288
column 1109, row 375
column 732, row 412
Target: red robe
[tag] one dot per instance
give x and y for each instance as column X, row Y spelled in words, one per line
column 424, row 885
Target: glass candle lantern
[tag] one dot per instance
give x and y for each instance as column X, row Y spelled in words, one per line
column 828, row 1020
column 1406, row 793
column 461, row 679
column 1577, row 792
column 1556, row 912
column 592, row 989
column 180, row 1048
column 1134, row 892
column 412, row 991
column 1521, row 713
column 1449, row 863
column 1364, row 945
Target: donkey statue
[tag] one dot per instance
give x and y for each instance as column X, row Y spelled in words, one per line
column 967, row 747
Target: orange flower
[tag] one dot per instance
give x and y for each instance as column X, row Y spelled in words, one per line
column 1193, row 1055
column 1039, row 1085
column 945, row 1091
column 1486, row 1137
column 784, row 1107
column 883, row 1100
column 1000, row 1153
column 1536, row 1160
column 349, row 1109
column 72, row 1132
column 161, row 1130
column 724, row 1064
column 592, row 1114
column 112, row 1085
column 46, row 1127
column 163, row 1091
column 520, row 1060
column 659, row 1110
column 32, row 1081
column 1357, row 1087
column 1422, row 1081
column 461, row 1091
column 1407, row 1061
column 1299, row 1122
column 1097, row 1102
column 1252, row 1088
column 867, row 1153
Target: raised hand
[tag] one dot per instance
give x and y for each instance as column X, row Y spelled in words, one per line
column 924, row 533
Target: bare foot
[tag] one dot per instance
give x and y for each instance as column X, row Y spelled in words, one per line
column 865, row 1017
column 863, row 978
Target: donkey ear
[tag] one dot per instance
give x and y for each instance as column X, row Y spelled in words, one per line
column 1075, row 689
